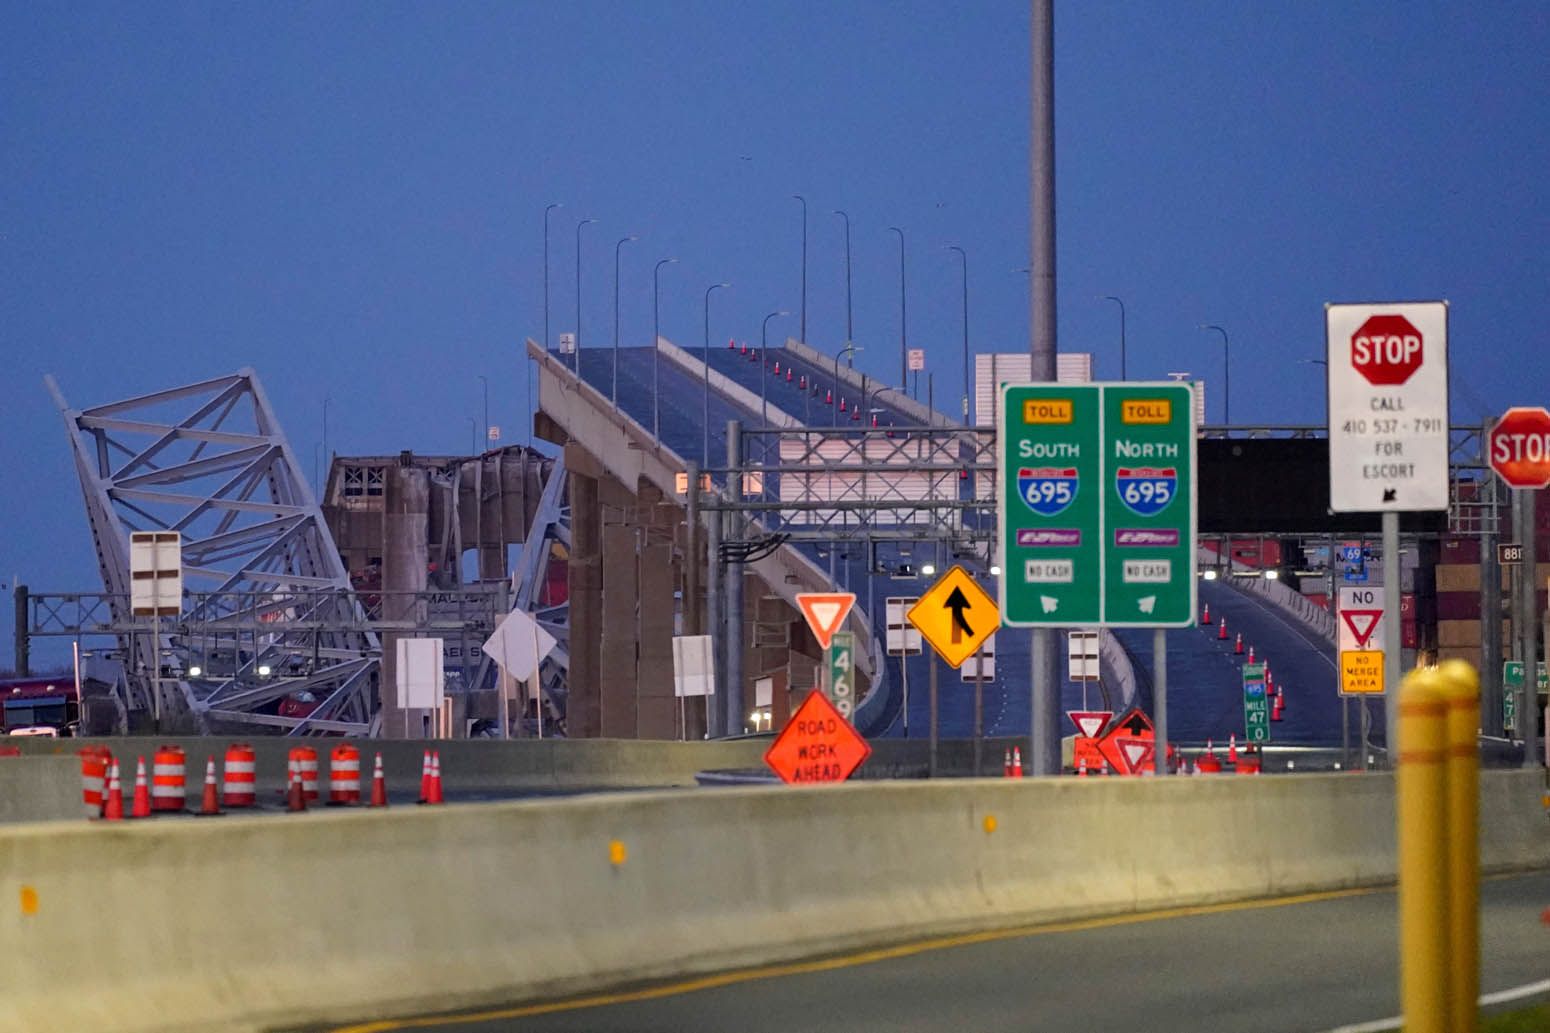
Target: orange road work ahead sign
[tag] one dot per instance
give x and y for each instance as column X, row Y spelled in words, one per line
column 817, row 744
column 825, row 613
column 956, row 616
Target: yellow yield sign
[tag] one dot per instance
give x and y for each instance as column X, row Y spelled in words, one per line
column 1361, row 672
column 955, row 616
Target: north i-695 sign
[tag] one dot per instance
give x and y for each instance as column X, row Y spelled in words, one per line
column 1098, row 509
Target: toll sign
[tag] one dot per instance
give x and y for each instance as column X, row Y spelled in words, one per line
column 817, row 745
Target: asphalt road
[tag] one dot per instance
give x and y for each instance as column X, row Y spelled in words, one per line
column 1290, row 967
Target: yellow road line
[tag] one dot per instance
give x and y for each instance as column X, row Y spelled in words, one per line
column 866, row 957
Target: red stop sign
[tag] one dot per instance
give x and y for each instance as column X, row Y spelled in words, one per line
column 1520, row 447
column 1386, row 350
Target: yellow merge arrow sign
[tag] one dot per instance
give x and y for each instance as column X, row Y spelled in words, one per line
column 956, row 616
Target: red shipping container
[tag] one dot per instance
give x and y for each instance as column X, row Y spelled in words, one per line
column 1457, row 606
column 1460, row 550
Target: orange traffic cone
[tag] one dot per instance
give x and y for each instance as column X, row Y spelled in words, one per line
column 1006, row 763
column 1206, row 763
column 425, row 778
column 1232, row 748
column 142, row 803
column 1081, row 768
column 1275, row 707
column 1237, row 647
column 113, row 803
column 1205, row 614
column 378, row 785
column 1221, row 629
column 209, row 806
column 295, row 797
column 1017, row 762
column 1251, row 654
column 436, row 777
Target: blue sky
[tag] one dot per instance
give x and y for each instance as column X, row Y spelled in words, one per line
column 349, row 197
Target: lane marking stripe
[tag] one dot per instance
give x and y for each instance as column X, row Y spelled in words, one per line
column 867, row 957
column 1515, row 993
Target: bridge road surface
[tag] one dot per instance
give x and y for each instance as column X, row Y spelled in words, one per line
column 1194, row 661
column 1302, row 965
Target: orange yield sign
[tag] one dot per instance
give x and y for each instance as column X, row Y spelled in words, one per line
column 956, row 616
column 825, row 612
column 817, row 744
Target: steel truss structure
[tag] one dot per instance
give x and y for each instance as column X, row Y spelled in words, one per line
column 277, row 612
column 940, row 483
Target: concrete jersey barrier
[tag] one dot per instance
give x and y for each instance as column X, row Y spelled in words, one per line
column 127, row 928
column 466, row 764
column 40, row 788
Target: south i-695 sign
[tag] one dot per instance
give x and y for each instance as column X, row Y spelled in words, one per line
column 1098, row 511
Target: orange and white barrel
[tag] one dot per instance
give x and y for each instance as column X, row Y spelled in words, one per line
column 240, row 774
column 306, row 759
column 344, row 775
column 167, row 779
column 94, row 774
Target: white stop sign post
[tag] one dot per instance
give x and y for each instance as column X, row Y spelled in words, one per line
column 1388, row 435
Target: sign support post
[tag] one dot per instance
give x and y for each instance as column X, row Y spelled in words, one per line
column 1160, row 697
column 931, row 754
column 1528, row 624
column 979, row 715
column 1391, row 630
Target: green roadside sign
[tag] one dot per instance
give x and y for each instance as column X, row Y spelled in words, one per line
column 1256, row 704
column 1512, row 679
column 1512, row 674
column 1097, row 512
column 840, row 685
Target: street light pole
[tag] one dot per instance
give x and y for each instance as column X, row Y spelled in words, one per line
column 705, row 424
column 484, row 384
column 850, row 330
column 1226, row 374
column 547, row 209
column 764, row 365
column 622, row 241
column 848, row 349
column 656, row 352
column 964, row 257
column 1121, row 304
column 577, row 365
column 803, row 330
column 904, row 358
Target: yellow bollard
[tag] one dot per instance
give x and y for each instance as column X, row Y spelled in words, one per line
column 1424, row 982
column 1461, row 687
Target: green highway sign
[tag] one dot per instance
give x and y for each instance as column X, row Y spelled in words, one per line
column 1512, row 680
column 841, row 682
column 1097, row 512
column 1256, row 704
column 1512, row 674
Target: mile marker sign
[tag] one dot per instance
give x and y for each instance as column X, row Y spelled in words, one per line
column 1520, row 447
column 1388, row 407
